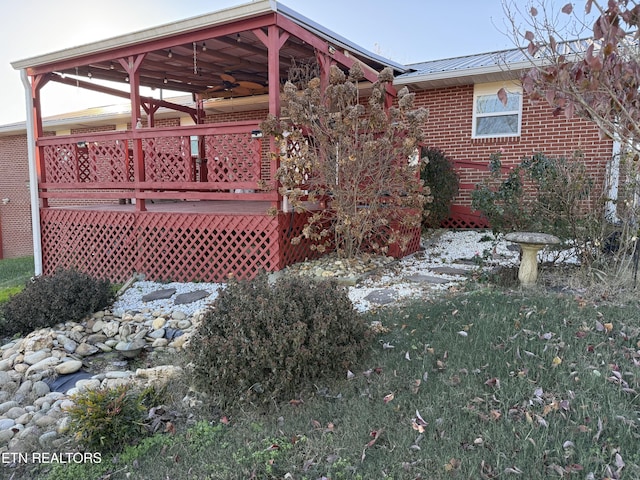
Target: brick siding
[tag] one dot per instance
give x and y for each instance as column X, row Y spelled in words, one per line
column 449, row 128
column 15, row 216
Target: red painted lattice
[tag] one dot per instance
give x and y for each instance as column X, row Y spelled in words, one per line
column 168, row 159
column 233, row 157
column 291, row 225
column 110, row 162
column 61, row 163
column 162, row 246
column 100, row 243
column 206, row 247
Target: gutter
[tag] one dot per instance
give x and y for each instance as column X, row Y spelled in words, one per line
column 33, row 176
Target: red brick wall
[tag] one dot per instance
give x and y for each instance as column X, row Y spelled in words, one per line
column 15, row 216
column 449, row 129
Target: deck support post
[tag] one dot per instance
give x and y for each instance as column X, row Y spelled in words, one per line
column 131, row 65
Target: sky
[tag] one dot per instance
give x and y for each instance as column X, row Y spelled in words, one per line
column 406, row 31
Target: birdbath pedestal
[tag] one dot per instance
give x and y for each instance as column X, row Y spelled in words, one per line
column 530, row 243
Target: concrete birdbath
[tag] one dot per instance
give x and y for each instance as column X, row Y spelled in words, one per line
column 530, row 243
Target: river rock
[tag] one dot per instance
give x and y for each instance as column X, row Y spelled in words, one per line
column 157, row 333
column 111, row 329
column 15, row 412
column 85, row 349
column 43, row 365
column 97, row 326
column 37, row 341
column 35, row 357
column 6, row 423
column 70, row 366
column 46, row 440
column 6, row 435
column 40, row 389
column 158, row 323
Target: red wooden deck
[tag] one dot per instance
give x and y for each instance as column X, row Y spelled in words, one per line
column 184, row 241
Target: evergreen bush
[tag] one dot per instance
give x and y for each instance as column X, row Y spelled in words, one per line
column 437, row 173
column 263, row 341
column 67, row 295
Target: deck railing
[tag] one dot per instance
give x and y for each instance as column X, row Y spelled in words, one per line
column 203, row 162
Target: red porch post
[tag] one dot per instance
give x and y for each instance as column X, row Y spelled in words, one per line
column 131, row 65
column 274, row 41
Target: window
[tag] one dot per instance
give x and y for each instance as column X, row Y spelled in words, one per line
column 491, row 118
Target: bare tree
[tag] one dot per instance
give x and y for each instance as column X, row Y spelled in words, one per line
column 585, row 63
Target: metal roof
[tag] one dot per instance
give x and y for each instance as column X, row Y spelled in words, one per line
column 482, row 67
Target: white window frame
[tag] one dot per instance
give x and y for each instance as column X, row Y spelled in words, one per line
column 484, row 89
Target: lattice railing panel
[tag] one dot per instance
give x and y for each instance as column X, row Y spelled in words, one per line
column 109, row 162
column 206, row 247
column 97, row 242
column 61, row 163
column 168, row 159
column 233, row 158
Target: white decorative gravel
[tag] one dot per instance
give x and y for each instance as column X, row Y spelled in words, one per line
column 450, row 248
column 131, row 299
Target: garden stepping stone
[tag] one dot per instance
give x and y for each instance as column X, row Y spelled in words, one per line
column 381, row 297
column 159, row 295
column 190, row 297
column 418, row 278
column 450, row 270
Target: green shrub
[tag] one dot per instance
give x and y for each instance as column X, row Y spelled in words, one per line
column 67, row 295
column 439, row 175
column 107, row 420
column 268, row 341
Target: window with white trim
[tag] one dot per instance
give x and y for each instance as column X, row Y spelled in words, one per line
column 492, row 118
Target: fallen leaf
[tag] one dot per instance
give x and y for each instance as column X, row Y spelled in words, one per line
column 376, row 435
column 452, row 465
column 407, row 356
column 495, row 415
column 493, row 382
column 388, row 398
column 224, row 420
column 515, row 470
column 556, row 361
column 462, row 333
column 316, row 424
column 350, row 375
column 608, row 327
column 387, row 345
column 415, row 386
column 295, row 402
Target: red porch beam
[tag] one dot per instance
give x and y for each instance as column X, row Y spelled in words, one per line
column 147, row 46
column 323, row 47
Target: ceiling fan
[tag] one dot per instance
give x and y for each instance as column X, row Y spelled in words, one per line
column 230, row 87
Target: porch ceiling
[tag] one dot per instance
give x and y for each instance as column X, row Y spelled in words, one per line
column 217, row 55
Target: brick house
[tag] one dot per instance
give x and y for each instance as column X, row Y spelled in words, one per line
column 120, row 222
